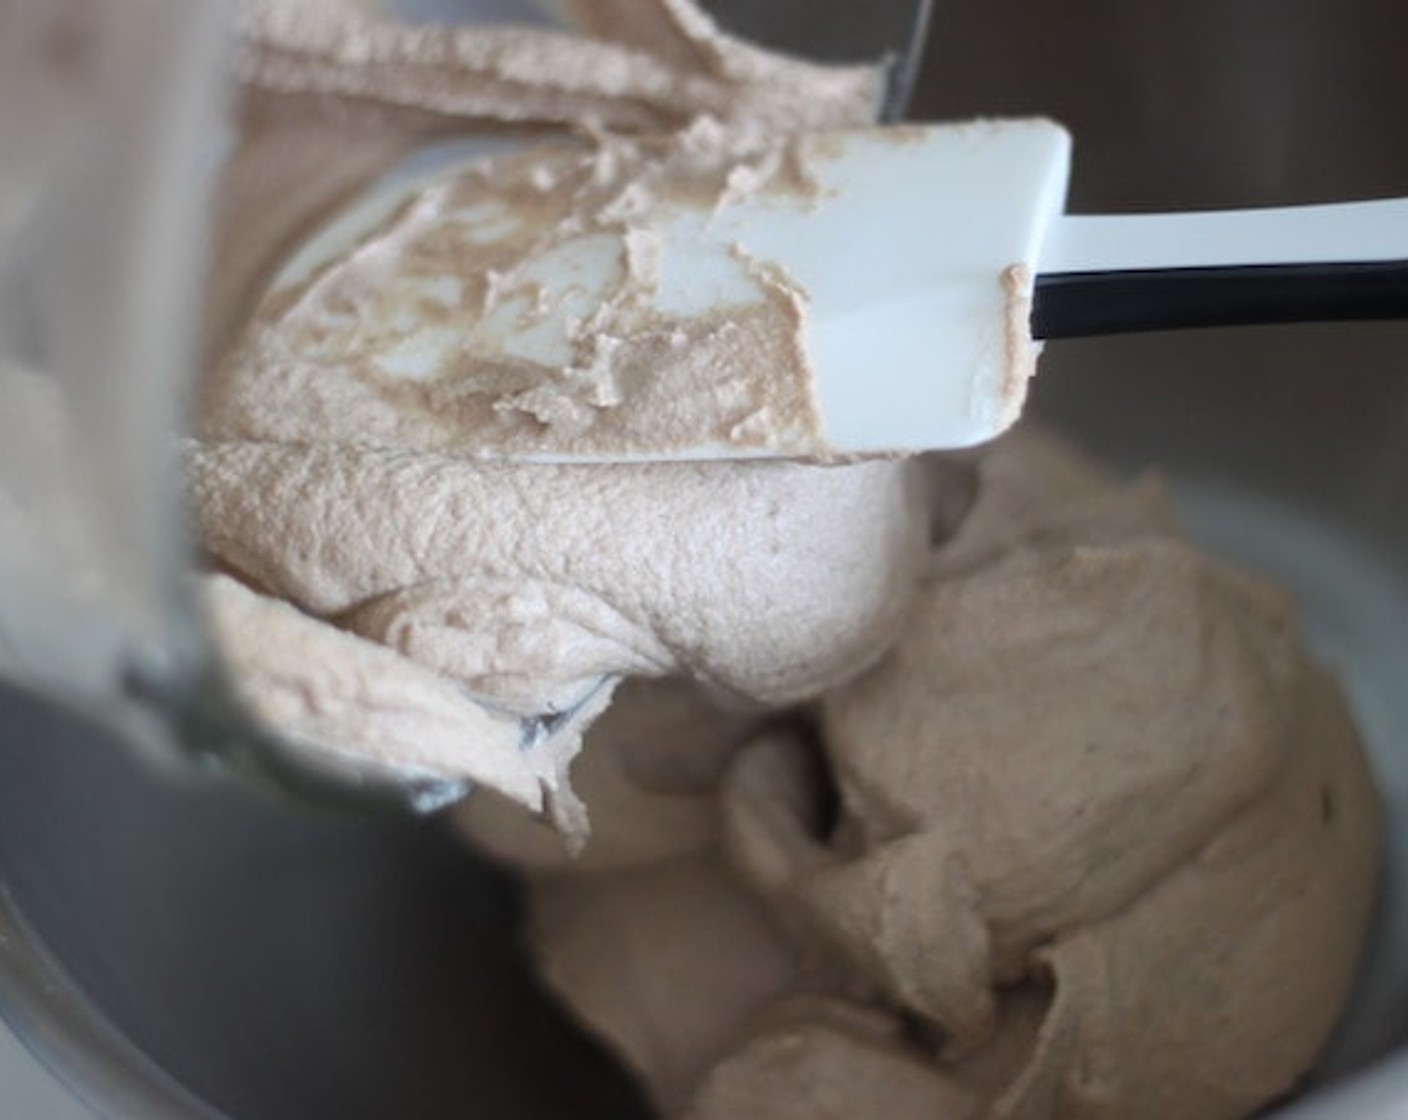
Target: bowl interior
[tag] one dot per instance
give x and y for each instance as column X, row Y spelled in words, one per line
column 281, row 965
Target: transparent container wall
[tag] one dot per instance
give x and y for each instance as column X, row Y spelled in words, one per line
column 109, row 123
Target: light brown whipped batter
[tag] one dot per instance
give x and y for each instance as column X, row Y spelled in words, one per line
column 440, row 332
column 328, row 481
column 1095, row 840
column 641, row 65
column 1054, row 819
column 766, row 582
column 650, row 778
column 334, row 93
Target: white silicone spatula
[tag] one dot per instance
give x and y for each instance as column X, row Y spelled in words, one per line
column 930, row 257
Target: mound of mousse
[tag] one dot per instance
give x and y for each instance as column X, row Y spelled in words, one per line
column 339, row 477
column 1095, row 839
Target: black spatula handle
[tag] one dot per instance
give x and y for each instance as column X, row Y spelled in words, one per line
column 1084, row 304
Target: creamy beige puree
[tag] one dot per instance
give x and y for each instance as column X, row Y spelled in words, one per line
column 938, row 786
column 408, row 344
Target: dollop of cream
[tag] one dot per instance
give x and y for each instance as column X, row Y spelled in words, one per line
column 1095, row 839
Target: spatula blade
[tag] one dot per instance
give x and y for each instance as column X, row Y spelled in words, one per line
column 858, row 292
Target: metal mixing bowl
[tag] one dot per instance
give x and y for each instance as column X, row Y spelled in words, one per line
column 167, row 944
